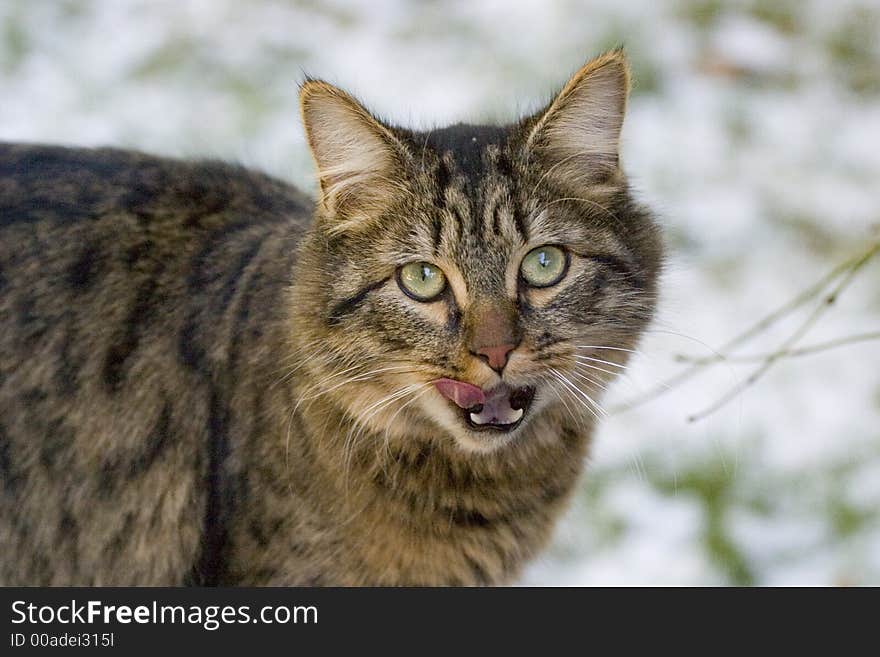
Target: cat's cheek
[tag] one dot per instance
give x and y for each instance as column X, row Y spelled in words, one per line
column 542, row 297
column 441, row 414
column 436, row 312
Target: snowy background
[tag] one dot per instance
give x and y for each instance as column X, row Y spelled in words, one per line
column 754, row 128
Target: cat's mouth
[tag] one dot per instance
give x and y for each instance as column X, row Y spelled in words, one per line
column 500, row 409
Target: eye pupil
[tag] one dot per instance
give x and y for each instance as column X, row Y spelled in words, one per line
column 544, row 266
column 421, row 281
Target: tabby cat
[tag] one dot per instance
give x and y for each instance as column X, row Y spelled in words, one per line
column 208, row 378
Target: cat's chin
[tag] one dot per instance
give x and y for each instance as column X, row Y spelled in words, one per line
column 480, row 443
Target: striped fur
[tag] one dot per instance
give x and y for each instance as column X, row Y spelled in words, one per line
column 194, row 356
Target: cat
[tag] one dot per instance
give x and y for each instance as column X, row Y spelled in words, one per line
column 208, row 378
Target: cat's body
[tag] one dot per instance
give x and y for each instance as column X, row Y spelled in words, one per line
column 141, row 299
column 199, row 383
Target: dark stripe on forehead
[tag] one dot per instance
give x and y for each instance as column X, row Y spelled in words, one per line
column 441, row 182
column 464, row 148
column 504, row 166
column 347, row 306
column 467, row 143
column 436, row 232
column 496, row 218
column 520, row 222
column 460, row 222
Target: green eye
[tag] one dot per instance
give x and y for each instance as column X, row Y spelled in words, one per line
column 544, row 266
column 421, row 280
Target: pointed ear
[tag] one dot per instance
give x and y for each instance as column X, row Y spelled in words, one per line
column 358, row 158
column 578, row 133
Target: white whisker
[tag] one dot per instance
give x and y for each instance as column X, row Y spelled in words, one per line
column 593, row 346
column 306, row 396
column 360, row 423
column 576, row 418
column 354, row 379
column 419, row 391
column 568, row 384
column 588, row 378
column 598, row 369
column 599, row 360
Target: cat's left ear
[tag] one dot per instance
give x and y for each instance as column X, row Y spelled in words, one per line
column 357, row 157
column 578, row 133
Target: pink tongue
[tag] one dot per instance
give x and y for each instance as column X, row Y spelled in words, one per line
column 463, row 394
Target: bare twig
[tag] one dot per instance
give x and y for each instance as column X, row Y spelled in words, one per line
column 840, row 277
column 787, row 344
column 792, row 353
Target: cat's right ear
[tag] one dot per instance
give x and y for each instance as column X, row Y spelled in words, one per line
column 357, row 157
column 578, row 134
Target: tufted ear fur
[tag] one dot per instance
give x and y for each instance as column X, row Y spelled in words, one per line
column 357, row 157
column 578, row 133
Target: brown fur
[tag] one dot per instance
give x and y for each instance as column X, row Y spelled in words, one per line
column 206, row 379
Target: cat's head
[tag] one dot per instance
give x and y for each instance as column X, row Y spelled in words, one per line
column 462, row 280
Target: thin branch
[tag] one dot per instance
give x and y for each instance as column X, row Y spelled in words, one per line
column 828, row 301
column 792, row 353
column 842, row 274
column 801, row 299
column 720, row 354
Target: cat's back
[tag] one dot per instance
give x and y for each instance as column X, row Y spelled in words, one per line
column 133, row 290
column 55, row 188
column 119, row 243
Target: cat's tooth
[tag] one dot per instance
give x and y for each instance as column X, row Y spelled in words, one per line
column 517, row 415
column 475, row 418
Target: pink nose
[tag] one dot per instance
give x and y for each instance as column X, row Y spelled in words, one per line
column 496, row 356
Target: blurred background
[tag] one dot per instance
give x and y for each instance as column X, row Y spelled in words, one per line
column 753, row 129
